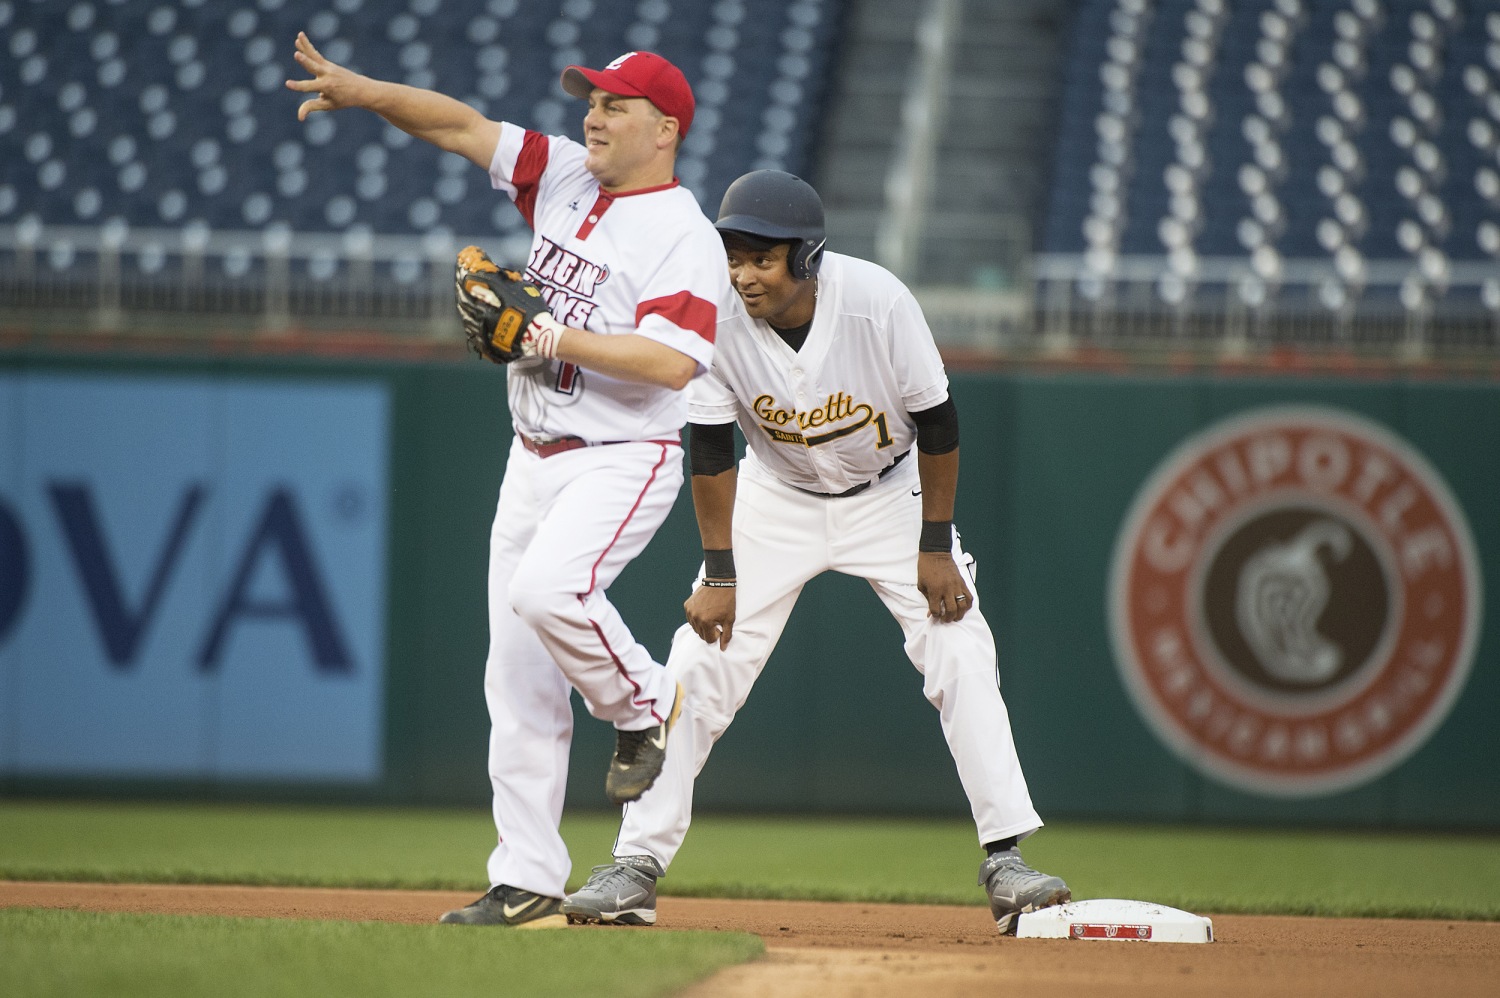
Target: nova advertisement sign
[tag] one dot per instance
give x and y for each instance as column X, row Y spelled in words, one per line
column 192, row 577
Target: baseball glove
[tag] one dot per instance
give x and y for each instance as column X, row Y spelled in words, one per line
column 496, row 305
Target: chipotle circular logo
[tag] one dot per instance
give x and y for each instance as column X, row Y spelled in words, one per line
column 1295, row 601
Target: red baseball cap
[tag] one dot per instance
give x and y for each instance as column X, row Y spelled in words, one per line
column 638, row 74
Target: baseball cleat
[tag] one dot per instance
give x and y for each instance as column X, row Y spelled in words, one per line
column 620, row 893
column 1015, row 888
column 510, row 906
column 638, row 758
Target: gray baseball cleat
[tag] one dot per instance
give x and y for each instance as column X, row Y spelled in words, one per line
column 1015, row 888
column 620, row 893
column 504, row 905
column 638, row 758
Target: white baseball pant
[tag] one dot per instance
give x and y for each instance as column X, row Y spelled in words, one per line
column 782, row 539
column 565, row 527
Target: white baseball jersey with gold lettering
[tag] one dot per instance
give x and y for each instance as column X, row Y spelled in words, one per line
column 832, row 415
column 826, row 419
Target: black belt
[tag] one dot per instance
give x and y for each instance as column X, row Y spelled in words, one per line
column 860, row 487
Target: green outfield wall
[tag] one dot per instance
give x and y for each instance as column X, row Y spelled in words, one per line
column 1229, row 599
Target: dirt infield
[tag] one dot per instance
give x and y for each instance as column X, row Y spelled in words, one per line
column 825, row 950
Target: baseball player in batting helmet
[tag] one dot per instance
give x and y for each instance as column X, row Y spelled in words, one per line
column 851, row 465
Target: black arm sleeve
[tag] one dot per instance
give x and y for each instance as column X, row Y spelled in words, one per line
column 710, row 447
column 937, row 428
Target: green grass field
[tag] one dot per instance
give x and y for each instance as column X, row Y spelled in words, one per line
column 70, row 953
column 1205, row 870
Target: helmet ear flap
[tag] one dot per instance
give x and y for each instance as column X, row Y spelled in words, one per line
column 806, row 258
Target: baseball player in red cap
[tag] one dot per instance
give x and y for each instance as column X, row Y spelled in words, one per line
column 632, row 273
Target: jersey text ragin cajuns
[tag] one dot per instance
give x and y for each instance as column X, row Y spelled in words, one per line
column 834, row 414
column 645, row 262
column 569, row 282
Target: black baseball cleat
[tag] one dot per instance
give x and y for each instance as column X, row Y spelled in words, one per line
column 638, row 758
column 510, row 906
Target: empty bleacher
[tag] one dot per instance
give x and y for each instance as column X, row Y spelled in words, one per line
column 1326, row 164
column 140, row 137
column 1246, row 173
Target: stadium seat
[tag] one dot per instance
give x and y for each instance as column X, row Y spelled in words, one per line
column 1311, row 142
column 163, row 112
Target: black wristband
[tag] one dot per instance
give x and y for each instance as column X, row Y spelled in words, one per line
column 937, row 535
column 718, row 564
column 719, row 583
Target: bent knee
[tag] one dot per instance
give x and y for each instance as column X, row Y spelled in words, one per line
column 537, row 606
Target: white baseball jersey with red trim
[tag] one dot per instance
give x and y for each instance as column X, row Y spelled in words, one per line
column 645, row 262
column 833, row 415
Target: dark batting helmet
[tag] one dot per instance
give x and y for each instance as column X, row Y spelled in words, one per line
column 779, row 207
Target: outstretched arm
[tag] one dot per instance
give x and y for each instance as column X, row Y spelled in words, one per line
column 447, row 123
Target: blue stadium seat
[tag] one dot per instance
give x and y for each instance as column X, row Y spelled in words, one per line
column 1331, row 134
column 195, row 91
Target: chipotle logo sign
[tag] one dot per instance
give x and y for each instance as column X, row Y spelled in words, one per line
column 1295, row 601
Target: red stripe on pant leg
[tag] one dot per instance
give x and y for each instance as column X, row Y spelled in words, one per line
column 594, row 571
column 593, row 578
column 620, row 667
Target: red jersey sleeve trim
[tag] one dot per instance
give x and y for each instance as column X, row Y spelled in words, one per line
column 527, row 177
column 683, row 309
